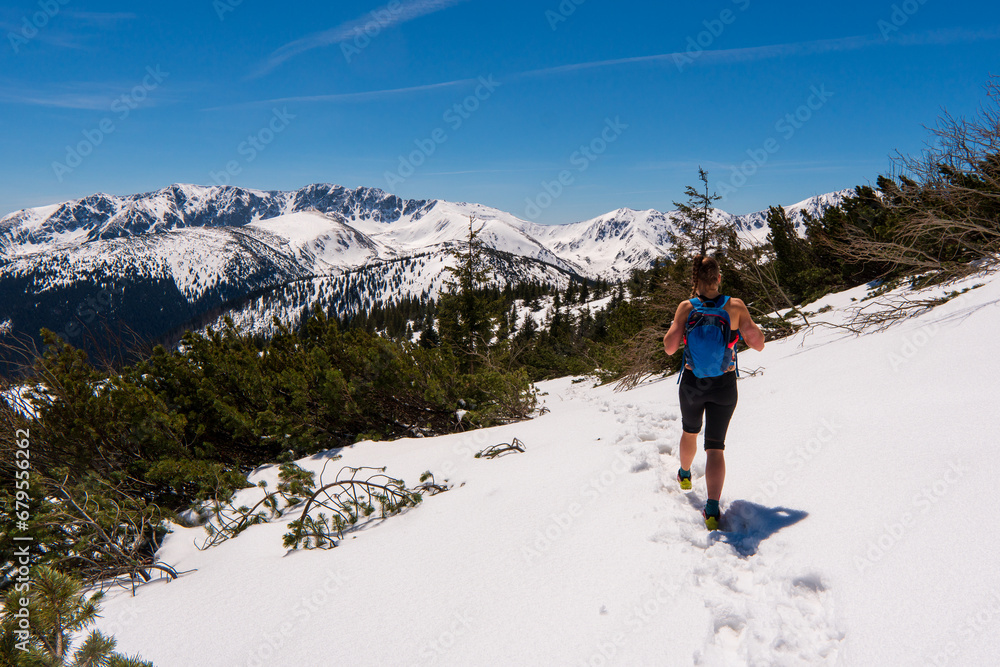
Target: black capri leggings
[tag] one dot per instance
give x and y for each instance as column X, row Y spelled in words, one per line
column 715, row 398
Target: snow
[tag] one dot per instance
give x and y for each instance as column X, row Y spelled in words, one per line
column 446, row 223
column 859, row 471
column 754, row 227
column 820, row 202
column 320, row 240
column 18, row 398
column 612, row 244
column 546, row 310
column 43, row 212
column 297, row 228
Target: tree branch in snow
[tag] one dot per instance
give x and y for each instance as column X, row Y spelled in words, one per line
column 494, row 451
column 228, row 521
column 355, row 495
column 113, row 535
column 883, row 312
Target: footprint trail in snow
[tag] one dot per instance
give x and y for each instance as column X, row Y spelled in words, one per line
column 764, row 609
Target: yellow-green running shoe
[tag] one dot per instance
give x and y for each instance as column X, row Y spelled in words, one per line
column 685, row 481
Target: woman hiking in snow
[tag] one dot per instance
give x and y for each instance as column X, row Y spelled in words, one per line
column 710, row 325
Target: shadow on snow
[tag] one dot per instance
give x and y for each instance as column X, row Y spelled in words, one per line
column 748, row 524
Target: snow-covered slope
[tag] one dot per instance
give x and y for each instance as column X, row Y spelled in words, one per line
column 350, row 291
column 857, row 499
column 611, row 244
column 320, row 241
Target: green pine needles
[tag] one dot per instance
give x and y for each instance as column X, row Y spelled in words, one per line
column 325, row 510
column 357, row 495
column 116, row 452
column 698, row 232
column 38, row 626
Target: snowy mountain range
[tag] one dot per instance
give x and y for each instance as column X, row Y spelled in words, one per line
column 158, row 261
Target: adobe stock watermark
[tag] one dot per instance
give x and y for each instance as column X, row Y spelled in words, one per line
column 86, row 313
column 645, row 610
column 262, row 654
column 901, row 13
column 786, row 126
column 973, row 626
column 922, row 503
column 580, row 160
column 33, row 24
column 454, row 117
column 560, row 524
column 124, row 617
column 20, row 573
column 254, row 145
column 122, row 107
column 435, row 648
column 714, row 28
column 223, row 7
column 796, row 460
column 917, row 341
column 380, row 19
column 562, row 12
column 912, row 345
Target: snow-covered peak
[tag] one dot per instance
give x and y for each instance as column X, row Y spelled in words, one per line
column 320, row 240
column 755, row 224
column 818, row 204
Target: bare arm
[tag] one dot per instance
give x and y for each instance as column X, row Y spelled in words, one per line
column 675, row 336
column 748, row 328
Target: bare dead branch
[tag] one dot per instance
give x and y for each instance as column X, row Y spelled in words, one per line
column 494, row 451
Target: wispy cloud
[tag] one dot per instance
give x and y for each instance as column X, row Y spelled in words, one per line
column 792, row 167
column 58, row 100
column 87, row 96
column 102, row 19
column 60, row 39
column 488, row 171
column 744, row 54
column 677, row 165
column 401, row 13
column 773, row 165
column 362, row 96
column 10, row 20
column 770, row 51
column 67, row 29
column 948, row 36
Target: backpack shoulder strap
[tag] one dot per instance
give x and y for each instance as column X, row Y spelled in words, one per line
column 718, row 302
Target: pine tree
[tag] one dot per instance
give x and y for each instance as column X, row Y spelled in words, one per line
column 698, row 232
column 791, row 253
column 56, row 611
column 465, row 310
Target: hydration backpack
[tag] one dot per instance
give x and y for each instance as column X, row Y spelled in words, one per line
column 709, row 344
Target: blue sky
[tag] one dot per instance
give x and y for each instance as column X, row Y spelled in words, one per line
column 553, row 110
